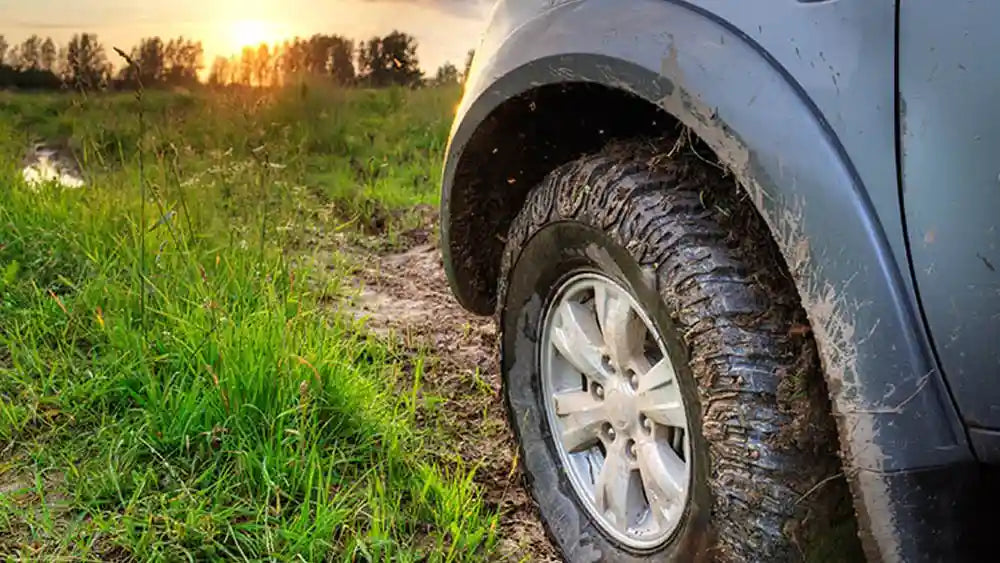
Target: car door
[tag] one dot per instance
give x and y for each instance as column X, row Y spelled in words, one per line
column 949, row 135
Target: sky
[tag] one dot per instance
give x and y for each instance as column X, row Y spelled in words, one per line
column 445, row 29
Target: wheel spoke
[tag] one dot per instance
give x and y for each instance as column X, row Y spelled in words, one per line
column 582, row 416
column 659, row 375
column 622, row 329
column 663, row 477
column 612, row 489
column 577, row 337
column 659, row 396
column 663, row 406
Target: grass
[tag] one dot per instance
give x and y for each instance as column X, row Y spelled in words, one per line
column 171, row 387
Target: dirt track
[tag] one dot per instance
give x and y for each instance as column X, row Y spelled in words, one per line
column 407, row 295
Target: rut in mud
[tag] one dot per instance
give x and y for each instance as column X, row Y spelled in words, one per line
column 406, row 295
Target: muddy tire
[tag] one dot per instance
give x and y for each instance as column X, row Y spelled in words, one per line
column 699, row 269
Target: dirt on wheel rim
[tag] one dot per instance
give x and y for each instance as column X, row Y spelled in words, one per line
column 406, row 295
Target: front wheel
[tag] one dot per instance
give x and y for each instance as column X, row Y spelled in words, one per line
column 654, row 378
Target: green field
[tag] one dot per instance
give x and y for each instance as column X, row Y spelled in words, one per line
column 174, row 384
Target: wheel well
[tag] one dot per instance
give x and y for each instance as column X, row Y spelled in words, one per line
column 520, row 142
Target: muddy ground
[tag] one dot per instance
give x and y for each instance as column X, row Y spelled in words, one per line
column 405, row 295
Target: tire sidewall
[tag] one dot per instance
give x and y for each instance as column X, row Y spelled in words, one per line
column 554, row 252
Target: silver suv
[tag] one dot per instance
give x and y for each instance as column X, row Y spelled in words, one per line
column 743, row 256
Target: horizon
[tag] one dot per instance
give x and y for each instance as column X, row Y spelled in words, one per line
column 444, row 29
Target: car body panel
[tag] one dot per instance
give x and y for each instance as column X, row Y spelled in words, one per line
column 949, row 135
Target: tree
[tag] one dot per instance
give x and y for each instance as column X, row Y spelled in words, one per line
column 174, row 63
column 341, row 60
column 150, row 63
column 446, row 74
column 86, row 63
column 292, row 58
column 61, row 58
column 183, row 59
column 50, row 54
column 320, row 55
column 262, row 65
column 27, row 66
column 317, row 55
column 14, row 57
column 277, row 76
column 390, row 60
column 31, row 53
column 247, row 65
column 234, row 70
column 219, row 75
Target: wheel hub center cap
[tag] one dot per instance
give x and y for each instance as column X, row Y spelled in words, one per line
column 621, row 409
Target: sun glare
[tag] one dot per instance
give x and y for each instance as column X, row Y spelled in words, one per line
column 250, row 33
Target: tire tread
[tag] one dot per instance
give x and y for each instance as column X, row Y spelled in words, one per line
column 734, row 311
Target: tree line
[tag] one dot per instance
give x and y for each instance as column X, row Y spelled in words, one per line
column 84, row 63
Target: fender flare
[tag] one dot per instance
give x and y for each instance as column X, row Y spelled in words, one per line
column 891, row 404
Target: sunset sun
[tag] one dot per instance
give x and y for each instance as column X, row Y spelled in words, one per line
column 248, row 33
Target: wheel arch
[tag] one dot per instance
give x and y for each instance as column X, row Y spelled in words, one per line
column 683, row 65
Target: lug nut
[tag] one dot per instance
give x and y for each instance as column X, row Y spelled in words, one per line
column 609, row 431
column 598, row 391
column 630, row 449
column 633, row 379
column 647, row 424
column 606, row 363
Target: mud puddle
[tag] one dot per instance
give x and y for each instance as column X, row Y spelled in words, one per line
column 51, row 164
